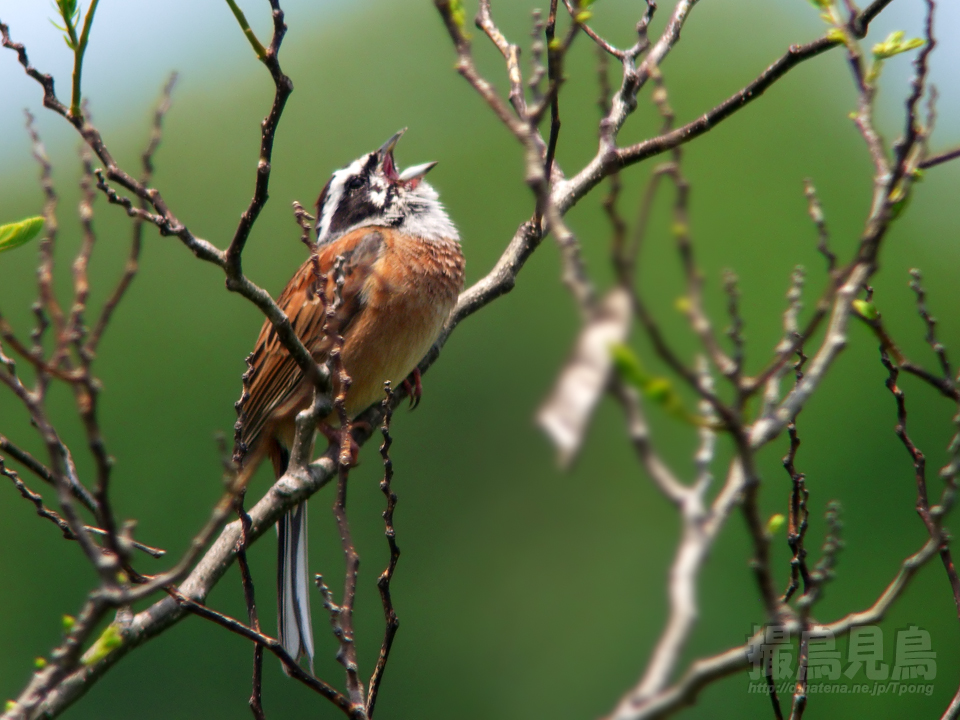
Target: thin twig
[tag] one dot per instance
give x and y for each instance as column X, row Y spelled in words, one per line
column 383, row 582
column 249, row 595
column 816, row 214
column 268, row 643
column 939, row 159
column 133, row 260
column 931, row 518
column 930, row 322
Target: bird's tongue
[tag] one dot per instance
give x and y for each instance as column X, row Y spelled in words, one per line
column 389, row 167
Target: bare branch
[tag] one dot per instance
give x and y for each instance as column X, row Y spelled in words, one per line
column 931, row 323
column 932, row 520
column 271, row 644
column 268, row 129
column 130, row 270
column 705, row 671
column 816, row 214
column 383, row 582
column 939, row 159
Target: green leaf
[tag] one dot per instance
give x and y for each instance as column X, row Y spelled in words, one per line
column 656, row 389
column 775, row 523
column 458, row 13
column 659, row 390
column 894, row 45
column 109, row 641
column 628, row 365
column 18, row 233
column 836, row 35
column 866, row 310
column 898, row 206
column 68, row 9
column 912, row 44
column 70, row 14
column 40, row 663
column 68, row 622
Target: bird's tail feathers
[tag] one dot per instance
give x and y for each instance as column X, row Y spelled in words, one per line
column 293, row 586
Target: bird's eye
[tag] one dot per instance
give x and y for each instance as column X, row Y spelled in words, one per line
column 354, row 183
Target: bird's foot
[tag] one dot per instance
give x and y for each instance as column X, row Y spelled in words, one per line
column 414, row 388
column 348, row 450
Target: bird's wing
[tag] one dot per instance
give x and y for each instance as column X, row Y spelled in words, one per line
column 273, row 384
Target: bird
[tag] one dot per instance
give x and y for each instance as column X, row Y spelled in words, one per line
column 403, row 270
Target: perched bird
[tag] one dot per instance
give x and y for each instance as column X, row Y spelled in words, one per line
column 403, row 271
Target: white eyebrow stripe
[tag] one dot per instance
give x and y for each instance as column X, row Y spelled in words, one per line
column 334, row 196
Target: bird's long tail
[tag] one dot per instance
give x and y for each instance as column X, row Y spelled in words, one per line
column 293, row 586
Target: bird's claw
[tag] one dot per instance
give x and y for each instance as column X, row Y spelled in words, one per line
column 414, row 388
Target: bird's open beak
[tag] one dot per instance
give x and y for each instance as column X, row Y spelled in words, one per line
column 389, row 145
column 417, row 171
column 386, row 155
column 411, row 174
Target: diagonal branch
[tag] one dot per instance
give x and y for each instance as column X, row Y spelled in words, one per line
column 268, row 129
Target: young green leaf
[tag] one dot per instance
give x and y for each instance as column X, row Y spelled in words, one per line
column 109, row 641
column 628, row 365
column 458, row 13
column 866, row 310
column 16, row 234
column 894, row 45
column 70, row 14
column 656, row 389
column 836, row 35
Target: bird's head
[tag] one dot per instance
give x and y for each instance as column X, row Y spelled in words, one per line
column 371, row 192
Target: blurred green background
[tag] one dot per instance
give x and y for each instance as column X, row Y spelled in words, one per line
column 522, row 591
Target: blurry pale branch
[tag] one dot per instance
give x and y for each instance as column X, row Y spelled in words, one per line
column 893, row 178
column 704, row 671
column 606, row 317
column 565, row 414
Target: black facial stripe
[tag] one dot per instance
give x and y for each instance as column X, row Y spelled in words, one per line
column 354, row 208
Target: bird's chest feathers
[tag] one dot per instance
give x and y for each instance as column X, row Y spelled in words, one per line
column 410, row 292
